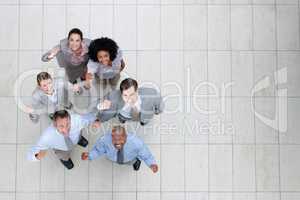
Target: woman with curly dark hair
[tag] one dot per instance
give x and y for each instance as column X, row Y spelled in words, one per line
column 105, row 62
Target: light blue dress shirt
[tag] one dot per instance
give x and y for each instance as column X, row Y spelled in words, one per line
column 133, row 148
column 52, row 139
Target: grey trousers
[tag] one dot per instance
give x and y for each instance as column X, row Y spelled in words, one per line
column 63, row 155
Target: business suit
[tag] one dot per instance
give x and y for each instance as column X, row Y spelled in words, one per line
column 151, row 103
column 74, row 70
column 42, row 103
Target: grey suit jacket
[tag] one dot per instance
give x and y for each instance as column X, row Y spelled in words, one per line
column 64, row 58
column 41, row 103
column 151, row 103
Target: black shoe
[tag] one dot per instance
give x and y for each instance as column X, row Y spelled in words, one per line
column 121, row 119
column 51, row 116
column 143, row 123
column 69, row 106
column 67, row 163
column 79, row 92
column 83, row 142
column 137, row 164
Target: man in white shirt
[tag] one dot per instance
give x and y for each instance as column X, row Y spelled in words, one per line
column 62, row 136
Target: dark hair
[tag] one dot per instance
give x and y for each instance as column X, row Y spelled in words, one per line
column 42, row 76
column 103, row 44
column 60, row 114
column 127, row 83
column 75, row 31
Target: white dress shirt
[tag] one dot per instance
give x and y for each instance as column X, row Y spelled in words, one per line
column 126, row 110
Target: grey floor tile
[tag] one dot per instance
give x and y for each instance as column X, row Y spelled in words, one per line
column 8, row 170
column 289, row 165
column 220, row 168
column 267, row 168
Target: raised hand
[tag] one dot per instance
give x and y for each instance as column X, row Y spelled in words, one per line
column 154, row 168
column 85, row 156
column 41, row 154
column 53, row 52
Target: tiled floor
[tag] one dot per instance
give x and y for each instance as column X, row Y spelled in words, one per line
column 230, row 129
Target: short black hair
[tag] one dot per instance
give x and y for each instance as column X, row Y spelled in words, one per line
column 128, row 83
column 60, row 114
column 103, row 44
column 75, row 31
column 42, row 76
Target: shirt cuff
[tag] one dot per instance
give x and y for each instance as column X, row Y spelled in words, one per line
column 92, row 155
column 150, row 162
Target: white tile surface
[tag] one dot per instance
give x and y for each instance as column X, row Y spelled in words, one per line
column 264, row 28
column 31, row 36
column 75, row 19
column 242, row 73
column 241, row 27
column 289, row 165
column 9, row 14
column 196, row 167
column 7, row 196
column 147, row 181
column 28, row 173
column 9, row 114
column 124, row 181
column 9, row 60
column 148, row 22
column 243, row 121
column 172, row 168
column 8, row 172
column 291, row 136
column 267, row 168
column 268, row 196
column 54, row 19
column 195, row 27
column 172, row 44
column 244, row 168
column 220, row 168
column 265, row 66
column 218, row 27
column 123, row 32
column 290, row 61
column 288, row 27
column 172, row 33
column 77, row 179
column 265, row 108
column 100, row 175
column 101, row 28
column 52, row 181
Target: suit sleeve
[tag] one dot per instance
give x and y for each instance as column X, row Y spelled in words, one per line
column 105, row 115
column 158, row 103
column 45, row 55
column 37, row 106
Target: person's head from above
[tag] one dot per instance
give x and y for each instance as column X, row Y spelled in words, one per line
column 62, row 122
column 128, row 88
column 74, row 39
column 119, row 136
column 45, row 83
column 103, row 50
